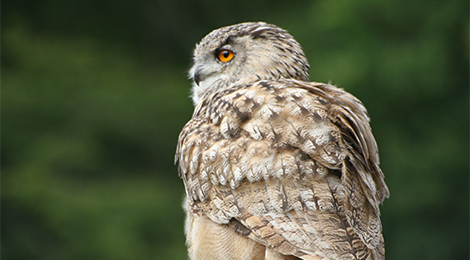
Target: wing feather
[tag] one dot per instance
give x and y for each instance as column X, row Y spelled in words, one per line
column 294, row 162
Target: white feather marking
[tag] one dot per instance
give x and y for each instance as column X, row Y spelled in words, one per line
column 279, row 173
column 309, row 148
column 259, row 99
column 204, row 176
column 225, row 129
column 320, row 133
column 322, row 171
column 214, row 179
column 251, row 94
column 250, row 176
column 308, row 169
column 296, row 111
column 233, row 183
column 262, row 28
column 222, row 179
column 266, row 113
column 200, row 194
column 263, row 171
column 192, row 168
column 256, row 134
column 298, row 93
column 270, row 163
column 307, row 197
column 227, row 171
column 213, row 154
column 238, row 175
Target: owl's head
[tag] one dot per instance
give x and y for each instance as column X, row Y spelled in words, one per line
column 245, row 53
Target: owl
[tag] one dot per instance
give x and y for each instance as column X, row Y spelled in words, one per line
column 275, row 166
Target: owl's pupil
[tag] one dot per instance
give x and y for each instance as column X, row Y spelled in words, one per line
column 225, row 54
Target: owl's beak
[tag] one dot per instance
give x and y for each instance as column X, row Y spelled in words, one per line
column 197, row 76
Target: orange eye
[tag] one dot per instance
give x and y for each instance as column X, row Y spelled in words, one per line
column 225, row 55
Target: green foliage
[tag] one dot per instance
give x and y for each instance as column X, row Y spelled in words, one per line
column 85, row 170
column 94, row 98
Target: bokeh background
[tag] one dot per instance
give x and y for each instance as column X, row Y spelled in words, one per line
column 95, row 93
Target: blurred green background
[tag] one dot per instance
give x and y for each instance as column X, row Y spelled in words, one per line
column 95, row 93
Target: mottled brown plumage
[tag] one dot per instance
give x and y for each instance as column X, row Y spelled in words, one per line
column 276, row 167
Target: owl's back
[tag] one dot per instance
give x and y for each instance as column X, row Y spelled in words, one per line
column 284, row 168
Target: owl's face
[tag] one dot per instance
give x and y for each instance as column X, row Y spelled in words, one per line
column 245, row 53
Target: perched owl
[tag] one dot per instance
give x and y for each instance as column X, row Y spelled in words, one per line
column 275, row 166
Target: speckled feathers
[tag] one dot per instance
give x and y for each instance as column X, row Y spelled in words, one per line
column 262, row 52
column 289, row 168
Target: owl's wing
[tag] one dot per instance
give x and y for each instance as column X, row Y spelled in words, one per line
column 290, row 164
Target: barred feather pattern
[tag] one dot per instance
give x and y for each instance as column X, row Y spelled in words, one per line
column 284, row 168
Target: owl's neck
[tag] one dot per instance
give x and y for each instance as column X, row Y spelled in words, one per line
column 208, row 86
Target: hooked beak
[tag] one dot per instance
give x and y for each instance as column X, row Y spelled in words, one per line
column 197, row 76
